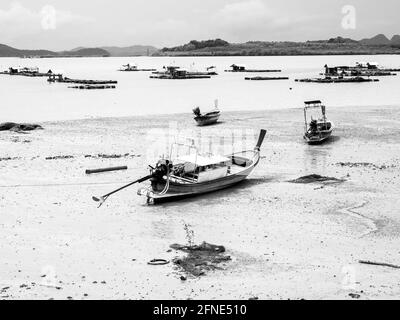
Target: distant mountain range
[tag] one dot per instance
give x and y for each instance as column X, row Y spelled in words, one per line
column 379, row 44
column 382, row 40
column 137, row 50
column 7, row 51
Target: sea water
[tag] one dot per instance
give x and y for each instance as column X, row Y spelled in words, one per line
column 34, row 99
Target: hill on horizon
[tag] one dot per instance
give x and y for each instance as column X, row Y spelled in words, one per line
column 135, row 50
column 7, row 51
column 379, row 44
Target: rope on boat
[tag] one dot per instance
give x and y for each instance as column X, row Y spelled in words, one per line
column 165, row 190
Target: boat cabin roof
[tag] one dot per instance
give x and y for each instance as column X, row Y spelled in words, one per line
column 312, row 102
column 202, row 161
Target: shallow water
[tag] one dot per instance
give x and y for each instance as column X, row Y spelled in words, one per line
column 33, row 99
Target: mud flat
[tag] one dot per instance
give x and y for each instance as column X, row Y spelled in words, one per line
column 284, row 240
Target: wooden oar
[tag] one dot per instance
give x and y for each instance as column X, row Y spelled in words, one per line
column 102, row 199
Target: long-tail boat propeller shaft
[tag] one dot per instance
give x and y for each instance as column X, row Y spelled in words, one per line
column 162, row 168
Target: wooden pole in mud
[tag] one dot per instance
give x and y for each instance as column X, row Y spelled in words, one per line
column 90, row 171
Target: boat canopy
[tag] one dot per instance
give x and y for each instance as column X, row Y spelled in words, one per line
column 312, row 102
column 202, row 161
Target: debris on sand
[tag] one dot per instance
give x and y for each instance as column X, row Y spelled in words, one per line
column 12, row 126
column 9, row 158
column 200, row 258
column 312, row 178
column 59, row 157
column 363, row 164
column 158, row 262
column 112, row 156
column 354, row 295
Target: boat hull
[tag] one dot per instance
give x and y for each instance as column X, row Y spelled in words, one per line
column 318, row 138
column 206, row 120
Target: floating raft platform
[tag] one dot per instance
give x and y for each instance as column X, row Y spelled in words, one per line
column 26, row 74
column 61, row 79
column 379, row 73
column 337, row 80
column 266, row 78
column 254, row 70
column 171, row 77
column 190, row 73
column 133, row 70
column 93, row 87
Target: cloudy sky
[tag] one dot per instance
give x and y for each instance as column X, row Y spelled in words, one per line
column 60, row 24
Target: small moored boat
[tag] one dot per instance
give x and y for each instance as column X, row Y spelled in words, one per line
column 131, row 68
column 207, row 118
column 317, row 130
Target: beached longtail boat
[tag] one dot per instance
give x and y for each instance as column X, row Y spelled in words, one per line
column 194, row 174
column 205, row 119
column 317, row 130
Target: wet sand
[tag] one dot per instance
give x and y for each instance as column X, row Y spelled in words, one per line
column 286, row 240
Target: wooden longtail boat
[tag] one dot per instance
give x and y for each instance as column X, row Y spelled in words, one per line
column 205, row 119
column 317, row 130
column 194, row 174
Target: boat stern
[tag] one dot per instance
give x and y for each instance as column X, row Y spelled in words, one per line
column 146, row 192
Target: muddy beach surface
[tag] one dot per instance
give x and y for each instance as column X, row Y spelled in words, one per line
column 284, row 240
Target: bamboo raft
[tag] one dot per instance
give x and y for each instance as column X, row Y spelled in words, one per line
column 93, row 87
column 266, row 78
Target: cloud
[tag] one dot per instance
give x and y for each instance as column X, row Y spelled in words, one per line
column 255, row 20
column 251, row 14
column 18, row 20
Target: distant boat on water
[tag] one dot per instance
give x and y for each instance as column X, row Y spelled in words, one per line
column 242, row 68
column 128, row 67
